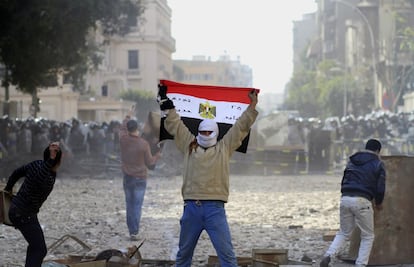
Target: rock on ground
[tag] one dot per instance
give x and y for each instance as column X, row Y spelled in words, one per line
column 290, row 212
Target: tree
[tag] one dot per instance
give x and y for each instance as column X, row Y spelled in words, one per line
column 320, row 92
column 397, row 70
column 145, row 102
column 41, row 39
column 302, row 94
column 402, row 74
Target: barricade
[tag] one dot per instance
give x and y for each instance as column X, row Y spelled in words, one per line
column 285, row 161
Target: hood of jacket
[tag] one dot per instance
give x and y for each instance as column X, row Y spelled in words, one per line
column 362, row 157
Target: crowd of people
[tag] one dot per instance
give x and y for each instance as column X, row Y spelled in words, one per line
column 22, row 140
column 337, row 138
column 101, row 140
column 32, row 135
column 380, row 124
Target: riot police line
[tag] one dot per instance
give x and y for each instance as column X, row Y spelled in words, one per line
column 22, row 140
column 328, row 142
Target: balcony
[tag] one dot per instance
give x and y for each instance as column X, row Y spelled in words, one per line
column 111, row 72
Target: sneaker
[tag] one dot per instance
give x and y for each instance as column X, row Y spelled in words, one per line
column 325, row 261
column 134, row 237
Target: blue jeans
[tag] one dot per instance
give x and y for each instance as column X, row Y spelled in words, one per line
column 30, row 228
column 208, row 215
column 134, row 189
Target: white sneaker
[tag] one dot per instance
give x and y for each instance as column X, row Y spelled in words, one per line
column 134, row 237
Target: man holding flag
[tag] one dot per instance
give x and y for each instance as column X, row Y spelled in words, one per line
column 205, row 187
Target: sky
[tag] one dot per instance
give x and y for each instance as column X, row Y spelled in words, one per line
column 257, row 31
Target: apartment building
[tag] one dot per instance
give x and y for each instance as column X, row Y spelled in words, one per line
column 304, row 35
column 370, row 40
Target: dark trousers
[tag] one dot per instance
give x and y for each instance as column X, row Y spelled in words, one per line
column 30, row 228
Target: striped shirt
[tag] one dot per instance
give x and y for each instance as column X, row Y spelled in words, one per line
column 36, row 187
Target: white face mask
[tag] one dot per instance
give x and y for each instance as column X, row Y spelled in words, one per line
column 207, row 140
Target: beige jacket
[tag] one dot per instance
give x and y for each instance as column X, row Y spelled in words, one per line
column 206, row 172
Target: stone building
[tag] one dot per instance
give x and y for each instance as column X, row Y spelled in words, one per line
column 134, row 62
column 370, row 40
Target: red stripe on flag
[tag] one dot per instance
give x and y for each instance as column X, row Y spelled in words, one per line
column 216, row 93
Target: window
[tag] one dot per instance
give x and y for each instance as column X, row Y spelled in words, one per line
column 133, row 59
column 132, row 21
column 104, row 90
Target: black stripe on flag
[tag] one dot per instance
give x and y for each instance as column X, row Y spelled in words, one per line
column 192, row 125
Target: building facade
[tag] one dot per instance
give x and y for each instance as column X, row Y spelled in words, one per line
column 304, row 35
column 371, row 40
column 134, row 62
column 204, row 71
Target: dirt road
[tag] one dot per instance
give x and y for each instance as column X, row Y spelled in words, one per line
column 291, row 212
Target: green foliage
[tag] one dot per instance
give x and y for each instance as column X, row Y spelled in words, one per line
column 145, row 102
column 39, row 39
column 401, row 74
column 407, row 43
column 320, row 92
column 405, row 34
column 302, row 94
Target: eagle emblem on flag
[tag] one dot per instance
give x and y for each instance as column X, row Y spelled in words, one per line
column 207, row 111
column 196, row 102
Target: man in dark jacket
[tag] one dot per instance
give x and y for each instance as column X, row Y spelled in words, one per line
column 39, row 180
column 362, row 188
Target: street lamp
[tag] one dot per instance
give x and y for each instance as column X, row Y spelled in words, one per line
column 372, row 39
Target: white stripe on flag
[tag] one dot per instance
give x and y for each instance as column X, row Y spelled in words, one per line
column 219, row 111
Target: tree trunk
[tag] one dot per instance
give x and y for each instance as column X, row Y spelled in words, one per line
column 34, row 108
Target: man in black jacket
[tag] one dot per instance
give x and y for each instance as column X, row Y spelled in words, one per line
column 39, row 180
column 362, row 188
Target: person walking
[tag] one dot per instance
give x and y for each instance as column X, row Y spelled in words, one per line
column 39, row 180
column 205, row 188
column 136, row 159
column 362, row 188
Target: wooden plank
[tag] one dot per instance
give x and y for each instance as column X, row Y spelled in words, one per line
column 330, row 235
column 155, row 262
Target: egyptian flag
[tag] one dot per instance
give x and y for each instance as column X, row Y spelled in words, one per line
column 195, row 103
